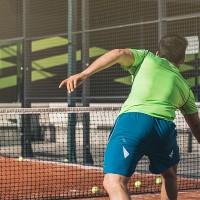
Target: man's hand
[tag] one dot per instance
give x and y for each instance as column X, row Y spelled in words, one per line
column 73, row 82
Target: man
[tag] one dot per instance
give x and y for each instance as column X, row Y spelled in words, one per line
column 145, row 123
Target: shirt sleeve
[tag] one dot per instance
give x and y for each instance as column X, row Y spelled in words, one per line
column 139, row 56
column 189, row 107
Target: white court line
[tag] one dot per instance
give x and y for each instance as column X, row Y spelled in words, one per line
column 62, row 164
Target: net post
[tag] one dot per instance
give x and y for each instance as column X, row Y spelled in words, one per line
column 71, row 138
column 87, row 156
column 26, row 137
column 189, row 144
column 26, row 119
column 71, row 98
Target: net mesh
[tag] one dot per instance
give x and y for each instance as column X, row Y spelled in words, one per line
column 57, row 153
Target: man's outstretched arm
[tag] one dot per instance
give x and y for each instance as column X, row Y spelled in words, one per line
column 124, row 57
column 194, row 123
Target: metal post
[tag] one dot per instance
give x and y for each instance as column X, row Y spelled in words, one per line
column 161, row 18
column 87, row 157
column 26, row 119
column 85, row 50
column 196, row 85
column 26, row 59
column 19, row 71
column 71, row 132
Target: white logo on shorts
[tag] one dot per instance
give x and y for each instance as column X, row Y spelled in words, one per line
column 171, row 154
column 126, row 154
column 124, row 140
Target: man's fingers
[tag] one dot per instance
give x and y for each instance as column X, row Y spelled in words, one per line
column 62, row 83
column 70, row 87
column 70, row 83
column 75, row 83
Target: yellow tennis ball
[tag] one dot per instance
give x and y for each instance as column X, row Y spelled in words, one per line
column 65, row 160
column 95, row 189
column 20, row 158
column 138, row 184
column 158, row 181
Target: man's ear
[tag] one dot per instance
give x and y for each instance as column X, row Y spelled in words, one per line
column 157, row 53
column 181, row 61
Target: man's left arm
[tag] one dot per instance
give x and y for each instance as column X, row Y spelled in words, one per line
column 124, row 57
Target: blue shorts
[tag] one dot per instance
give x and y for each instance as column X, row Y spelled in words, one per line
column 135, row 135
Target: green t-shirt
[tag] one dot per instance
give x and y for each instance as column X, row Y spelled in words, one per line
column 158, row 88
